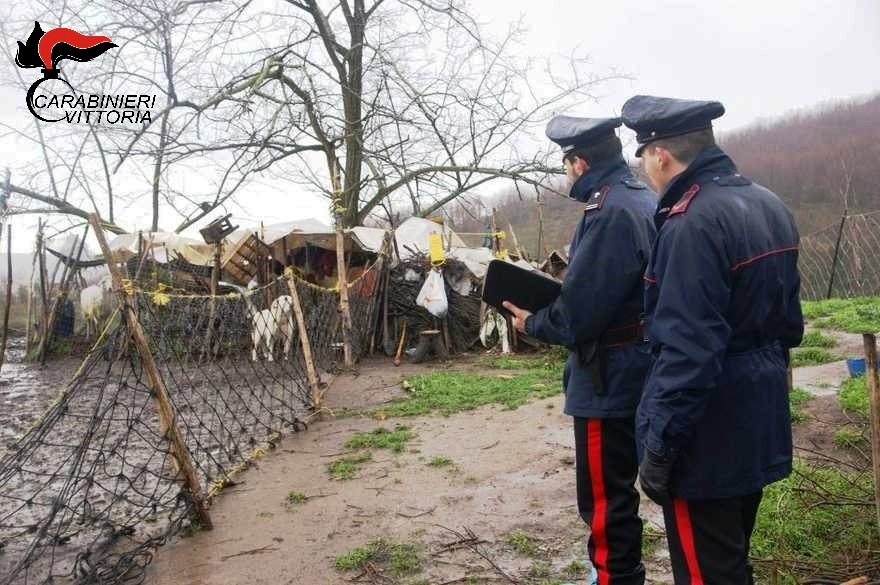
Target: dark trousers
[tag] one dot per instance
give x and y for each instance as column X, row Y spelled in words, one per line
column 709, row 539
column 608, row 502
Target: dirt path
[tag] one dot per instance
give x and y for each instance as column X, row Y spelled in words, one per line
column 512, row 470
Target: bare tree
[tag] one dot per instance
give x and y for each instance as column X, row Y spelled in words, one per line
column 381, row 106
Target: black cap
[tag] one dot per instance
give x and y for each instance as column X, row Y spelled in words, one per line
column 654, row 118
column 571, row 132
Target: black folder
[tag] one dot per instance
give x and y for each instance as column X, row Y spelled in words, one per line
column 527, row 289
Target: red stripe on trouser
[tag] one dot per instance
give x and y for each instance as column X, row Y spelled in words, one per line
column 686, row 536
column 600, row 503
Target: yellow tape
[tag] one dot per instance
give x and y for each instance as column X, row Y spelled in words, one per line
column 435, row 247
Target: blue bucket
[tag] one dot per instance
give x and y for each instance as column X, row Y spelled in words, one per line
column 856, row 366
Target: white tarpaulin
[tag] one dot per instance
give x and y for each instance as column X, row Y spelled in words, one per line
column 412, row 236
column 166, row 246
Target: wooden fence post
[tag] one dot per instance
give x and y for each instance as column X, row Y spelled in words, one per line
column 8, row 294
column 179, row 451
column 311, row 372
column 873, row 384
column 342, row 281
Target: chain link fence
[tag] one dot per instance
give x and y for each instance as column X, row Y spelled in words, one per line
column 842, row 260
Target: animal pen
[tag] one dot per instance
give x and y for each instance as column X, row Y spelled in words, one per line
column 168, row 406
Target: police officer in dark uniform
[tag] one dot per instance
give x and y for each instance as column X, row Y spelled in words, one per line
column 723, row 308
column 597, row 316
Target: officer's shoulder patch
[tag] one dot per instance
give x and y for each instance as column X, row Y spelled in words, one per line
column 735, row 180
column 597, row 199
column 633, row 183
column 685, row 200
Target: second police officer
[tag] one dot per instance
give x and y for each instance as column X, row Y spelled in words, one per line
column 723, row 308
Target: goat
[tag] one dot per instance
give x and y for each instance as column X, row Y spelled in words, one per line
column 268, row 324
column 493, row 321
column 91, row 302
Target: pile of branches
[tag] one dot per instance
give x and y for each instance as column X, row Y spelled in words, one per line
column 463, row 319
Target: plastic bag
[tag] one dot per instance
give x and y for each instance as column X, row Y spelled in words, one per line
column 433, row 295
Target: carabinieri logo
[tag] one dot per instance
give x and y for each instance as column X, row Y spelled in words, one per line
column 46, row 50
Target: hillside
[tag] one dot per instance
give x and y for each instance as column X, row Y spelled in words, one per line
column 808, row 158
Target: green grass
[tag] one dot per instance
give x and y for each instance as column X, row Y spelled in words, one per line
column 397, row 559
column 820, row 516
column 853, row 396
column 347, row 467
column 797, row 398
column 651, row 539
column 451, row 392
column 296, row 498
column 857, row 315
column 575, row 569
column 519, row 541
column 849, row 437
column 817, row 339
column 811, row 356
column 441, row 461
column 382, row 438
column 540, row 570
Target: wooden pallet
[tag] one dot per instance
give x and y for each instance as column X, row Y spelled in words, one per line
column 242, row 262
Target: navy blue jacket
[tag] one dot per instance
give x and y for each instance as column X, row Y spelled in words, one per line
column 723, row 307
column 603, row 290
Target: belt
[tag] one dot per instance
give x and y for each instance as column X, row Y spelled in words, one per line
column 635, row 333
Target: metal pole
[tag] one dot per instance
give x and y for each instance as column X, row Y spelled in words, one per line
column 836, row 254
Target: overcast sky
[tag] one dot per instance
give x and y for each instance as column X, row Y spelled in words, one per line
column 761, row 58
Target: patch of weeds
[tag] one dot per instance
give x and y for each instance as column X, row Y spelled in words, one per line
column 521, row 543
column 265, row 515
column 539, row 570
column 295, row 498
column 797, row 398
column 192, row 529
column 542, row 361
column 398, row 559
column 346, row 467
column 451, row 392
column 848, row 437
column 575, row 569
column 854, row 396
column 811, row 356
column 819, row 516
column 382, row 438
column 441, row 461
column 817, row 339
column 651, row 539
column 856, row 315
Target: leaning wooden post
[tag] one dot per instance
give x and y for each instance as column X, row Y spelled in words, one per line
column 8, row 294
column 342, row 281
column 874, row 400
column 311, row 372
column 160, row 393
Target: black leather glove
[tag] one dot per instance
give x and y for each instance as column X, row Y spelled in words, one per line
column 654, row 476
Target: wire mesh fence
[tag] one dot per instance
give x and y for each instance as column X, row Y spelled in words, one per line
column 95, row 485
column 842, row 260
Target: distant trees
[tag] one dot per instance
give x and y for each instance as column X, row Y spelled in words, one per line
column 818, row 160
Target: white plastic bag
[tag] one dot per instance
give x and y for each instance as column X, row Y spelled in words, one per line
column 433, row 295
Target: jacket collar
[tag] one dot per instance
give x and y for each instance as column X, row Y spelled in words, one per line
column 603, row 173
column 711, row 162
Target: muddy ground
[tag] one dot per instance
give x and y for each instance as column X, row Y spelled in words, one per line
column 512, row 470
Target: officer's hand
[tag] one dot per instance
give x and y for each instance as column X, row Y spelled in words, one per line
column 654, row 476
column 519, row 316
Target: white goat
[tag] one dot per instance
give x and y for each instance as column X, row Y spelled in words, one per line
column 493, row 321
column 91, row 302
column 267, row 325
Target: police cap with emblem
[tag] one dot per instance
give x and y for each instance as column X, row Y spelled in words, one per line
column 571, row 133
column 654, row 118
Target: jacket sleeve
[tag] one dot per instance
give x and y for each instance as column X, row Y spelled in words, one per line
column 689, row 327
column 607, row 267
